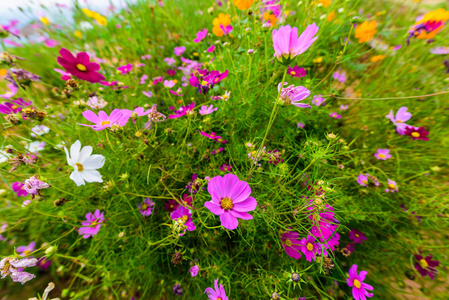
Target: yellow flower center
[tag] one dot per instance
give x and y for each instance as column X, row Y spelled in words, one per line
column 144, row 207
column 309, row 246
column 357, row 235
column 26, row 252
column 184, row 218
column 226, row 203
column 423, row 263
column 415, row 134
column 357, row 283
column 14, row 107
column 391, row 186
column 288, row 243
column 382, row 155
column 365, row 181
column 293, row 73
column 105, row 123
column 81, row 67
column 398, row 121
column 94, row 223
column 80, row 167
column 203, row 82
column 225, row 96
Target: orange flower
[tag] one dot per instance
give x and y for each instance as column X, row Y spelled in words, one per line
column 325, row 3
column 243, row 4
column 269, row 16
column 377, row 58
column 365, row 31
column 223, row 21
column 435, row 17
column 331, row 16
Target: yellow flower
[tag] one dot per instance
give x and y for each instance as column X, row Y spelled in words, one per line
column 3, row 72
column 88, row 12
column 222, row 19
column 100, row 19
column 44, row 20
column 435, row 17
column 326, row 3
column 243, row 4
column 269, row 16
column 377, row 58
column 365, row 31
column 331, row 16
column 318, row 60
column 78, row 34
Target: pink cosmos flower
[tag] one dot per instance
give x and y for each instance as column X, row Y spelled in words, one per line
column 183, row 110
column 96, row 103
column 14, row 106
column 11, row 93
column 125, row 69
column 399, row 120
column 216, row 293
column 300, row 124
column 331, row 244
column 230, row 200
column 211, row 49
column 183, row 215
column 426, row 266
column 293, row 95
column 391, row 187
column 309, row 247
column 92, row 224
column 287, row 45
column 296, row 71
column 344, row 107
column 207, row 110
column 143, row 57
column 107, row 83
column 25, row 250
column 80, row 66
column 318, row 100
column 169, row 83
column 146, row 207
column 359, row 288
column 179, row 50
column 177, row 93
column 17, row 187
column 363, row 179
column 334, row 115
column 143, row 79
column 291, row 244
column 200, row 35
column 357, row 236
column 340, row 76
column 214, row 137
column 226, row 168
column 170, row 61
column 149, row 94
column 323, row 220
column 194, row 270
column 440, row 50
column 383, row 154
column 102, row 121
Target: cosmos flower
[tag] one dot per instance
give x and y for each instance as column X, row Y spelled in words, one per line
column 226, row 168
column 359, row 288
column 183, row 110
column 363, row 179
column 230, row 200
column 293, row 95
column 179, row 50
column 200, row 35
column 323, row 219
column 344, row 107
column 340, row 76
column 125, row 69
column 170, row 61
column 169, row 83
column 216, row 293
column 96, row 103
column 309, row 247
column 318, row 100
column 107, row 83
column 211, row 49
column 171, row 205
column 429, row 25
column 33, row 185
column 243, row 4
column 92, row 225
column 17, row 187
column 440, row 50
column 149, row 94
column 207, row 110
column 80, row 66
column 391, row 187
column 365, row 31
column 177, row 289
column 14, row 106
column 102, row 121
column 13, row 267
column 222, row 25
column 291, row 244
column 11, row 93
column 25, row 250
column 335, row 115
column 296, row 71
column 417, row 133
column 183, row 216
column 39, row 130
column 194, row 270
column 287, row 45
column 357, row 236
column 426, row 266
column 383, row 154
column 146, row 207
column 85, row 165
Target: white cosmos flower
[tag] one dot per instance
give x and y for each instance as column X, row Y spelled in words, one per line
column 84, row 163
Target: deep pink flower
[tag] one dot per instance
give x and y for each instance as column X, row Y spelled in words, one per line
column 331, row 244
column 426, row 266
column 230, row 200
column 357, row 236
column 200, row 35
column 226, row 168
column 296, row 71
column 146, row 207
column 194, row 270
column 323, row 220
column 183, row 110
column 359, row 288
column 205, row 80
column 107, row 83
column 293, row 95
column 92, row 224
column 216, row 293
column 156, row 80
column 14, row 107
column 291, row 244
column 65, row 75
column 80, row 66
column 383, row 154
column 17, row 188
column 125, row 69
column 184, row 216
column 334, row 115
column 171, row 205
column 102, row 121
column 43, row 263
column 287, row 45
column 309, row 247
column 211, row 49
column 179, row 50
column 417, row 133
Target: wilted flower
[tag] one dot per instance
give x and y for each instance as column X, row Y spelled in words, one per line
column 13, row 267
column 33, row 185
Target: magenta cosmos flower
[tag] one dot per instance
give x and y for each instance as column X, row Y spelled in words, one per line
column 146, row 207
column 293, row 95
column 80, row 66
column 230, row 200
column 324, row 222
column 200, row 35
column 194, row 270
column 318, row 100
column 359, row 288
column 183, row 110
column 102, row 121
column 363, row 179
column 184, row 216
column 287, row 45
column 296, row 71
column 417, row 133
column 357, row 236
column 309, row 247
column 216, row 293
column 125, row 69
column 14, row 107
column 17, row 187
column 291, row 244
column 92, row 224
column 383, row 154
column 426, row 266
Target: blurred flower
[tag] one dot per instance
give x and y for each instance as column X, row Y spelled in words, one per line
column 85, row 165
column 222, row 25
column 12, row 91
column 230, row 200
column 14, row 106
column 440, row 50
column 365, row 31
column 177, row 289
column 325, row 3
column 377, row 58
column 171, row 205
column 200, row 35
column 429, row 25
column 417, row 133
column 216, row 293
column 357, row 236
column 318, row 100
column 80, row 66
column 207, row 110
column 96, row 103
column 78, row 34
column 92, row 225
column 300, row 124
column 340, row 76
column 426, row 266
column 170, row 61
column 25, row 250
column 243, row 4
column 183, row 110
column 343, row 107
column 211, row 49
column 399, row 120
column 179, row 50
column 149, row 94
column 359, row 288
column 391, row 187
column 125, row 69
column 194, row 270
column 17, row 187
column 146, row 207
column 383, row 154
column 296, row 71
column 13, row 267
column 363, row 179
column 169, row 83
column 335, row 115
column 39, row 130
column 226, row 168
